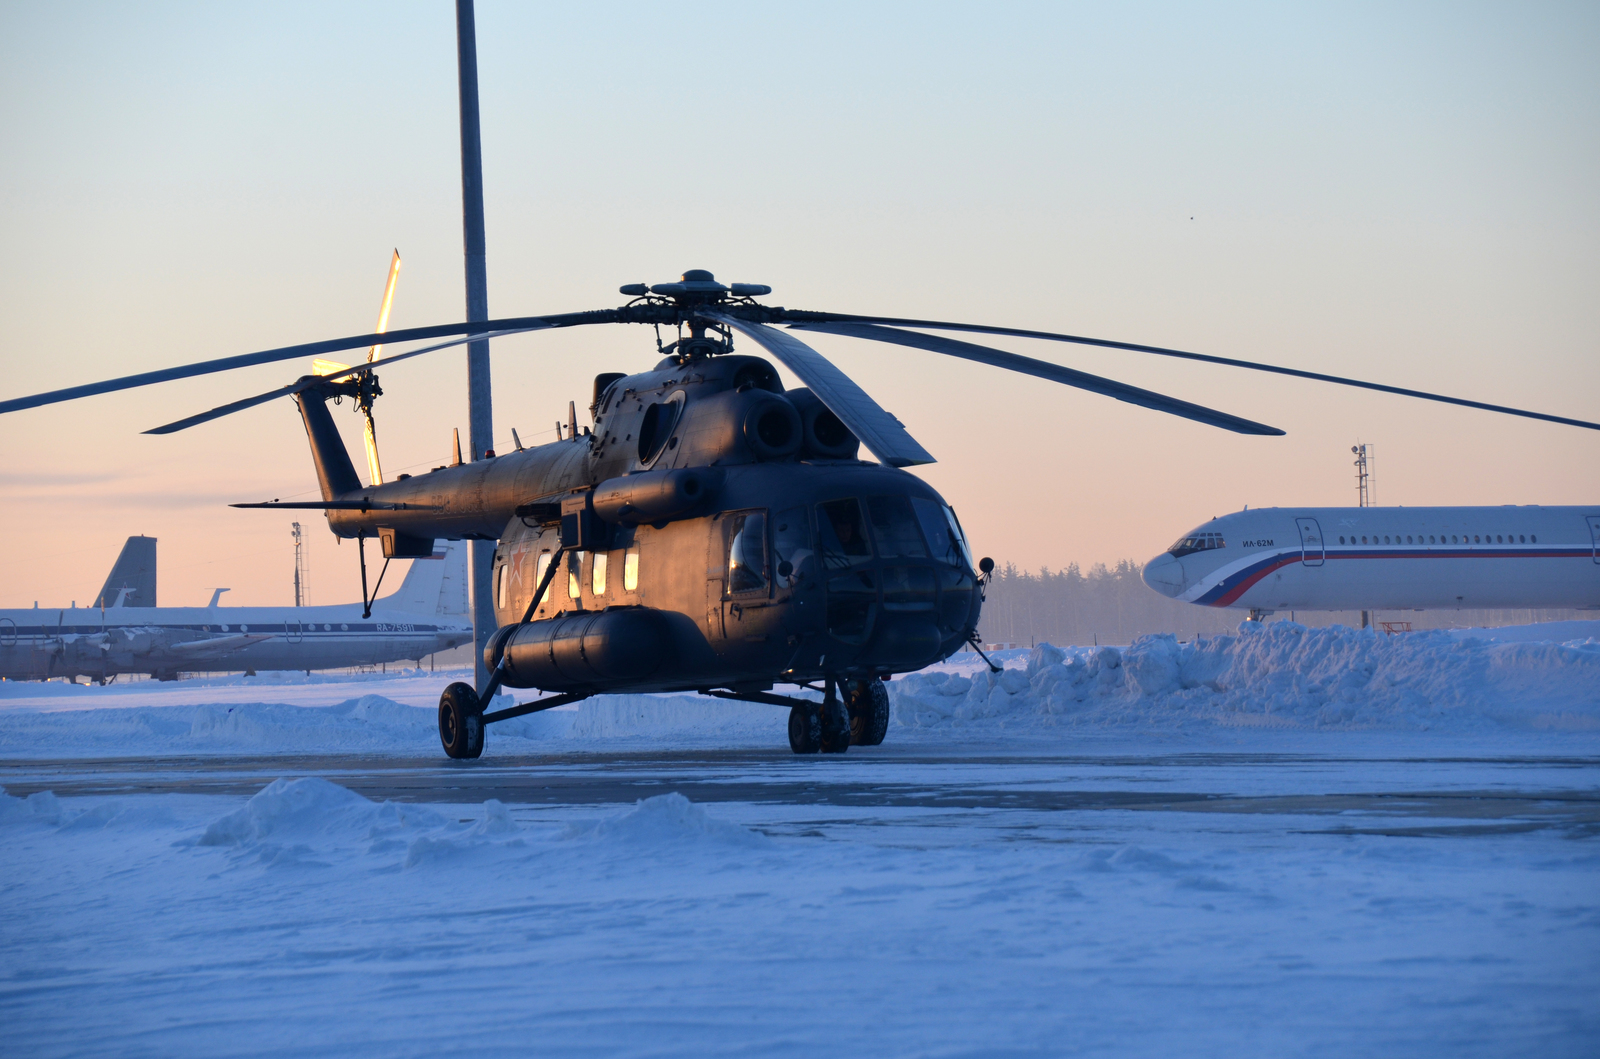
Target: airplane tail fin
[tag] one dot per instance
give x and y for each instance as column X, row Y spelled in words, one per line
column 133, row 579
column 437, row 585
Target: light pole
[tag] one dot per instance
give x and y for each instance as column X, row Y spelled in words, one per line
column 480, row 410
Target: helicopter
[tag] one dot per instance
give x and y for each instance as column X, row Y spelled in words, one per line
column 713, row 531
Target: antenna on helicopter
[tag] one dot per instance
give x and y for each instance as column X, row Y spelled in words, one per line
column 515, row 440
column 455, row 456
column 572, row 419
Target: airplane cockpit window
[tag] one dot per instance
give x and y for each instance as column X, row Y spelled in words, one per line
column 843, row 534
column 894, row 528
column 747, row 552
column 1196, row 542
column 791, row 541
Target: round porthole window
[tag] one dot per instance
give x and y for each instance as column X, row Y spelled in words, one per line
column 244, row 628
column 344, row 628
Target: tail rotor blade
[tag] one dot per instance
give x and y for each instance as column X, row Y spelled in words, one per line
column 1045, row 370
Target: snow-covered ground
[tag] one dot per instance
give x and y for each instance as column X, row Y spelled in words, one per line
column 1287, row 842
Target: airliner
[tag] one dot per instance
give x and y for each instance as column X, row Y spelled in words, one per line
column 1387, row 558
column 427, row 614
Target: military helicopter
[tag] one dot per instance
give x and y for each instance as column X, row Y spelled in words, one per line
column 713, row 532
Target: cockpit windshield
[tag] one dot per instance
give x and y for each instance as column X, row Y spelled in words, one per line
column 894, row 528
column 843, row 532
column 1196, row 542
column 943, row 532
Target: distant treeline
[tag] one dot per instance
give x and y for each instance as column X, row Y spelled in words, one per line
column 1113, row 605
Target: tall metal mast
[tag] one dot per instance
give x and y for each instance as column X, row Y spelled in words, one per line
column 302, row 568
column 480, row 413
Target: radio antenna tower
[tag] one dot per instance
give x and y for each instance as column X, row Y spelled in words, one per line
column 1364, row 489
column 302, row 566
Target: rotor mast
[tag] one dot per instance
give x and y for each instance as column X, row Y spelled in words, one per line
column 480, row 412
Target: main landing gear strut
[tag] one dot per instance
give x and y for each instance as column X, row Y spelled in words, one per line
column 859, row 716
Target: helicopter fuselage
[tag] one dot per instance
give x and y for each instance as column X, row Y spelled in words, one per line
column 713, row 531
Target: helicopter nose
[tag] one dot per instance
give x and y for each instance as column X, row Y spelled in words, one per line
column 1164, row 574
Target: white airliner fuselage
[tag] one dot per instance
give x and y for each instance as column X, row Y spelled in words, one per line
column 1387, row 558
column 417, row 620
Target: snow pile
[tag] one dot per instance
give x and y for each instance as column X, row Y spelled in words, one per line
column 41, row 807
column 310, row 808
column 293, row 820
column 667, row 820
column 1281, row 674
column 369, row 723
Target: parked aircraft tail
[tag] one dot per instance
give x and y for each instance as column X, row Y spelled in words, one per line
column 437, row 585
column 133, row 579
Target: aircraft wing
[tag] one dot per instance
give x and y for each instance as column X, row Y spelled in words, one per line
column 217, row 645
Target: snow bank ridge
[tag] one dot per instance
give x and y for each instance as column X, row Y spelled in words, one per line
column 667, row 820
column 1278, row 674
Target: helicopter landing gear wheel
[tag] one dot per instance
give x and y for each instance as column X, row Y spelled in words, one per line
column 461, row 721
column 835, row 723
column 805, row 729
column 868, row 703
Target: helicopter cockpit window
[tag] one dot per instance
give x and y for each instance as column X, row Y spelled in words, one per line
column 843, row 534
column 894, row 528
column 942, row 531
column 1195, row 542
column 791, row 543
column 660, row 419
column 747, row 552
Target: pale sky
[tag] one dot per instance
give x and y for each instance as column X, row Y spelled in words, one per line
column 1403, row 193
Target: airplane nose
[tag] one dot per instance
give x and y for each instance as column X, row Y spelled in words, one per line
column 1164, row 574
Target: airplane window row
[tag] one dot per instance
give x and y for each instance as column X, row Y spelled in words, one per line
column 1482, row 538
column 310, row 626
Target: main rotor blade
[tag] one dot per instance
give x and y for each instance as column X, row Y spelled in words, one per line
column 800, row 316
column 880, row 432
column 311, row 349
column 1045, row 370
column 304, row 384
column 340, row 505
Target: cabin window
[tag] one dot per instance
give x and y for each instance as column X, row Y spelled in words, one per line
column 1533, row 538
column 747, row 552
column 843, row 534
column 894, row 528
column 575, row 575
column 500, row 586
column 538, row 578
column 791, row 541
column 630, row 569
column 598, row 573
column 1522, row 539
column 1363, row 539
